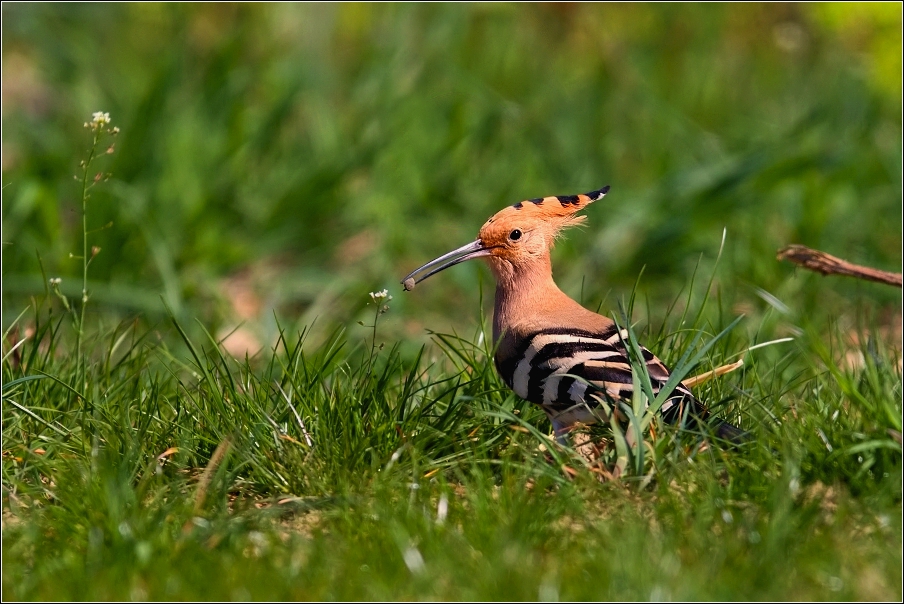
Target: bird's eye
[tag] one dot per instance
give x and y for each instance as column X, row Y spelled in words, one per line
column 515, row 235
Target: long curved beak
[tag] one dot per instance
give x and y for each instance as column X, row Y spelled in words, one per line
column 475, row 249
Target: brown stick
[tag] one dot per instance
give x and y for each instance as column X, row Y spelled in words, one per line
column 218, row 454
column 705, row 377
column 830, row 265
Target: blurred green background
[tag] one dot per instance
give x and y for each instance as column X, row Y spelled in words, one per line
column 296, row 157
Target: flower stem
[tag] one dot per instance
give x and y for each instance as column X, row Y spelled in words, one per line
column 81, row 320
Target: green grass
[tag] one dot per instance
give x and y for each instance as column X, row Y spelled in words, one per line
column 318, row 472
column 277, row 163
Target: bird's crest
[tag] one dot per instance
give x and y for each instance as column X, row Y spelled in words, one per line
column 555, row 206
column 555, row 213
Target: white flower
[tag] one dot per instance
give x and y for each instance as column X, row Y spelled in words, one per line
column 55, row 281
column 379, row 296
column 100, row 119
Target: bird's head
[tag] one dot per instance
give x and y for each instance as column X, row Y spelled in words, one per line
column 515, row 236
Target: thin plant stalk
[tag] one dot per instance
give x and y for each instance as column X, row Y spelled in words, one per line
column 85, row 187
column 99, row 124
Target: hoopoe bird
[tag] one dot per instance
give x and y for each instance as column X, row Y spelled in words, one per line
column 543, row 338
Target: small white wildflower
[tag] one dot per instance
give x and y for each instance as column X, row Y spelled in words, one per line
column 374, row 296
column 99, row 119
column 55, row 281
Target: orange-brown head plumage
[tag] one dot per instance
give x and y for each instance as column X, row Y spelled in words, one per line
column 529, row 228
column 516, row 235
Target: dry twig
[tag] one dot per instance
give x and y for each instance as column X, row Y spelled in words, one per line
column 827, row 264
column 215, row 459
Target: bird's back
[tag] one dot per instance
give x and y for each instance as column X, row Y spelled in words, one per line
column 563, row 356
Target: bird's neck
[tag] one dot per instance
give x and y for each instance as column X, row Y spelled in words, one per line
column 525, row 291
column 528, row 301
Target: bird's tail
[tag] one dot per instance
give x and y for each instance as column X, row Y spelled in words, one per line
column 731, row 433
column 696, row 418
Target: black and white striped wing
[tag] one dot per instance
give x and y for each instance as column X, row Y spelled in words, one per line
column 541, row 371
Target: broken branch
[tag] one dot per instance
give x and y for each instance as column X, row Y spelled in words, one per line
column 827, row 264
